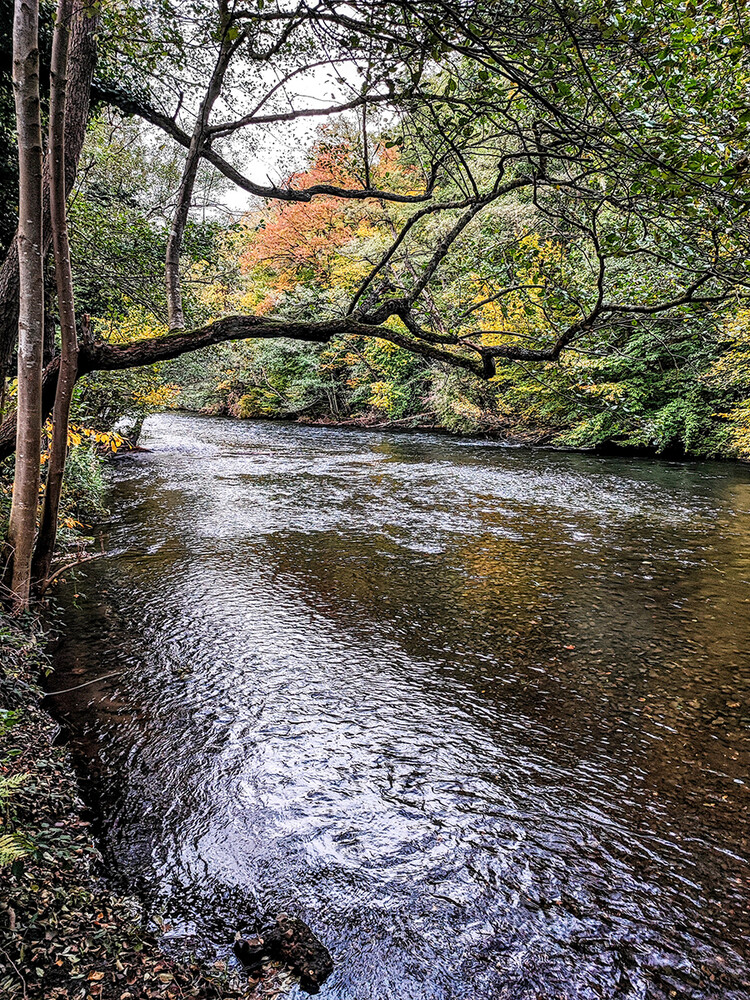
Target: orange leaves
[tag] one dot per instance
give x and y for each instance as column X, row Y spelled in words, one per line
column 292, row 243
column 298, row 237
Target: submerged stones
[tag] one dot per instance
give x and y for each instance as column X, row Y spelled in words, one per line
column 290, row 941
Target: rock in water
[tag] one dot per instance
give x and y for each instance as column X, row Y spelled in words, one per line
column 290, row 941
column 250, row 951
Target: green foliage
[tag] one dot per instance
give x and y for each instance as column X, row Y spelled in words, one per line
column 277, row 378
column 15, row 844
column 83, row 489
column 647, row 108
column 13, row 847
column 649, row 383
column 119, row 221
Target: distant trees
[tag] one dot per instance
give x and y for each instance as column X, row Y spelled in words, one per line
column 599, row 117
column 625, row 129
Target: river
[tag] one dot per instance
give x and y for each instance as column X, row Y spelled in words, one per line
column 479, row 715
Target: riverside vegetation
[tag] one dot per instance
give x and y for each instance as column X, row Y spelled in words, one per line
column 525, row 221
column 534, row 222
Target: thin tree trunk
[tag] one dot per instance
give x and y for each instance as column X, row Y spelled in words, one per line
column 22, row 523
column 82, row 59
column 176, row 315
column 50, row 304
column 45, row 545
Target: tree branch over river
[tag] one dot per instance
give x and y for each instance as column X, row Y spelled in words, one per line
column 505, row 186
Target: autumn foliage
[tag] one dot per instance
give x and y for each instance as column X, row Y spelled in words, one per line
column 306, row 242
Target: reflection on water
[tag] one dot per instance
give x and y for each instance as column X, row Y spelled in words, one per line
column 479, row 716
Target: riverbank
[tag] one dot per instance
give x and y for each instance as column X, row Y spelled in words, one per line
column 509, row 434
column 512, row 435
column 64, row 931
column 490, row 427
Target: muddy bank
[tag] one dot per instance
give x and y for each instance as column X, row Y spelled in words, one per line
column 509, row 434
column 504, row 432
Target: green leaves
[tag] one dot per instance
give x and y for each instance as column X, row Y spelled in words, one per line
column 13, row 847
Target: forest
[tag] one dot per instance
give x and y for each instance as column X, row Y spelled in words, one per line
column 532, row 225
column 515, row 224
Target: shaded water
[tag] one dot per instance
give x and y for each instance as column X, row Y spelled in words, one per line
column 479, row 716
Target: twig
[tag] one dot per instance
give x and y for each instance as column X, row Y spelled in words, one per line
column 104, row 677
column 67, row 566
column 23, row 981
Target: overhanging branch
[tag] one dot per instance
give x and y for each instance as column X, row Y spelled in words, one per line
column 129, row 105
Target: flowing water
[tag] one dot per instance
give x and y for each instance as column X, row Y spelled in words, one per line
column 480, row 716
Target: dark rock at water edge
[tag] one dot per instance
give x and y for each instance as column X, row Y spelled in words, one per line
column 289, row 940
column 250, row 951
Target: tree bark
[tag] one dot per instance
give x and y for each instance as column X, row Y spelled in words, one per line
column 22, row 522
column 58, row 451
column 187, row 184
column 82, row 59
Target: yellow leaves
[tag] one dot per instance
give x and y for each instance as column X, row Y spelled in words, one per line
column 256, row 403
column 11, row 391
column 257, row 300
column 381, row 395
column 78, row 435
column 610, row 392
column 544, row 252
column 386, row 346
column 739, row 417
column 521, row 309
column 161, row 395
column 106, row 440
column 731, row 370
column 347, row 272
column 736, row 328
column 137, row 325
column 732, row 367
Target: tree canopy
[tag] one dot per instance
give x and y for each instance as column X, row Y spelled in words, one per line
column 520, row 194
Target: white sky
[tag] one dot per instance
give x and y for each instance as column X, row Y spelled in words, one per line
column 281, row 149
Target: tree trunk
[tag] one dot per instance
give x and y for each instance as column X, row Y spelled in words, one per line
column 22, row 523
column 82, row 58
column 175, row 311
column 187, row 184
column 45, row 545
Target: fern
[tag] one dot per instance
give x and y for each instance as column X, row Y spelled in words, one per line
column 13, row 847
column 11, row 784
